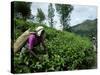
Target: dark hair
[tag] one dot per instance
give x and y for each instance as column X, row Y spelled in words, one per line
column 42, row 33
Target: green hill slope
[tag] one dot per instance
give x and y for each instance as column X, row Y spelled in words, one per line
column 66, row 51
column 88, row 27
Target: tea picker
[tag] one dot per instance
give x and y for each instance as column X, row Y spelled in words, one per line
column 32, row 39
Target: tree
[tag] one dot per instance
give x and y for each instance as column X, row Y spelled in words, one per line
column 50, row 14
column 23, row 8
column 40, row 15
column 64, row 12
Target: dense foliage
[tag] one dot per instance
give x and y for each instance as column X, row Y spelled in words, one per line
column 64, row 11
column 23, row 8
column 51, row 14
column 40, row 15
column 66, row 51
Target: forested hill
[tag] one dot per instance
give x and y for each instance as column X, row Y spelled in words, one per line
column 87, row 28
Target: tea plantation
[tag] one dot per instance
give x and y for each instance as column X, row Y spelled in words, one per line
column 66, row 51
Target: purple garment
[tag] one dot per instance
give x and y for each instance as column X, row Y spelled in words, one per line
column 32, row 41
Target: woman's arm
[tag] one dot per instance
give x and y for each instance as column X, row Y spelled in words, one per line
column 43, row 43
column 31, row 52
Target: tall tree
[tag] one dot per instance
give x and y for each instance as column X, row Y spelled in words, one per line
column 40, row 15
column 23, row 8
column 64, row 12
column 50, row 14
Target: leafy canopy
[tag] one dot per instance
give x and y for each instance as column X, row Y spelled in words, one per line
column 23, row 8
column 64, row 12
column 50, row 14
column 40, row 15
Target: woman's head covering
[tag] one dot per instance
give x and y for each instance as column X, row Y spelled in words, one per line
column 39, row 30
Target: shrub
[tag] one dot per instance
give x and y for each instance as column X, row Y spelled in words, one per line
column 66, row 51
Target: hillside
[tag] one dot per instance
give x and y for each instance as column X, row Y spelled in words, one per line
column 87, row 28
column 66, row 51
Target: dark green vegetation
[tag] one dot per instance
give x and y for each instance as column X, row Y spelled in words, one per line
column 51, row 14
column 22, row 9
column 87, row 28
column 66, row 51
column 40, row 15
column 64, row 11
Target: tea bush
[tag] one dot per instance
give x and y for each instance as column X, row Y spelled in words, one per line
column 66, row 51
